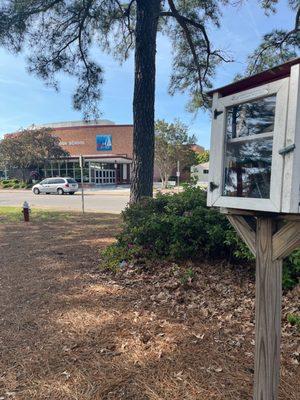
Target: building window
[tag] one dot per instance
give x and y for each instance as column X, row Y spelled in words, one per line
column 205, row 171
column 63, row 169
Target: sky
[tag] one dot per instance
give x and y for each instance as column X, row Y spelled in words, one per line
column 26, row 100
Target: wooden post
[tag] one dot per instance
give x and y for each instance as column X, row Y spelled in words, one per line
column 270, row 244
column 267, row 314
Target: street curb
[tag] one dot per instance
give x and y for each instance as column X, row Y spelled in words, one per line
column 112, row 193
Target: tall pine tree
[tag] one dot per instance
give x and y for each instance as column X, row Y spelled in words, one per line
column 60, row 34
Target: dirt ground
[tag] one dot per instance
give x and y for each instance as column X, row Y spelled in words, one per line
column 70, row 331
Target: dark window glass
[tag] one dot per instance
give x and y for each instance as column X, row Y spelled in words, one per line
column 55, row 171
column 249, row 145
column 248, row 168
column 62, row 169
column 56, row 181
column 251, row 118
column 69, row 180
column 205, row 171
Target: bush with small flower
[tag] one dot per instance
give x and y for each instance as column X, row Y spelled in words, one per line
column 180, row 227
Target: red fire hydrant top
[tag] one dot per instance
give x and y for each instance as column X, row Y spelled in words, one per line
column 26, row 210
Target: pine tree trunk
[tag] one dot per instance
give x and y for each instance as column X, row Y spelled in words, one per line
column 144, row 96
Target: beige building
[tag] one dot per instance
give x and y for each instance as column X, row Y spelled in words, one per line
column 200, row 172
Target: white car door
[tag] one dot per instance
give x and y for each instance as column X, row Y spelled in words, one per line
column 52, row 185
column 44, row 187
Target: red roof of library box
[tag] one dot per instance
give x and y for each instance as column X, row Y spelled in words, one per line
column 270, row 75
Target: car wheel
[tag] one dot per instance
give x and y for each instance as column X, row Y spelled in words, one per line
column 36, row 191
column 60, row 191
column 71, row 192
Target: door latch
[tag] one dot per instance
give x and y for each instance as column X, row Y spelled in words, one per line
column 287, row 149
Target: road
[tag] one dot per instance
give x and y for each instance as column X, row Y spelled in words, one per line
column 101, row 201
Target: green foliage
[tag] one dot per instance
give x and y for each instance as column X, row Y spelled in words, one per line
column 9, row 183
column 240, row 249
column 278, row 46
column 291, row 270
column 268, row 54
column 173, row 144
column 187, row 276
column 30, row 147
column 14, row 184
column 178, row 227
column 203, row 157
column 14, row 214
column 294, row 320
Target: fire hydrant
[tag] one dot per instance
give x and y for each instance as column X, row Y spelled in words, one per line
column 26, row 210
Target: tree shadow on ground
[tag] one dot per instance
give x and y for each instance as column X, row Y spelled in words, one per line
column 70, row 331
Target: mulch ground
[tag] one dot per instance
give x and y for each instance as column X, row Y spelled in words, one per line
column 71, row 331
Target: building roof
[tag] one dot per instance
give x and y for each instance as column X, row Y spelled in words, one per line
column 197, row 149
column 270, row 75
column 71, row 124
column 204, row 165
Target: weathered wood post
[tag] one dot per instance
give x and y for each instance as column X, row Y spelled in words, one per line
column 270, row 245
column 254, row 177
column 267, row 313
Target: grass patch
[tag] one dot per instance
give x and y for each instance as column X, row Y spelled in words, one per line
column 294, row 320
column 14, row 214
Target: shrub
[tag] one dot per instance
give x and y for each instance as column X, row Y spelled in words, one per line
column 14, row 184
column 291, row 270
column 179, row 227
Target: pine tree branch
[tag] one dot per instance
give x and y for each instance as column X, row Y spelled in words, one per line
column 189, row 39
column 275, row 45
column 185, row 23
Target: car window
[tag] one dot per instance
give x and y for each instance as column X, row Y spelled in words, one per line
column 44, row 182
column 52, row 181
column 70, row 180
column 60, row 181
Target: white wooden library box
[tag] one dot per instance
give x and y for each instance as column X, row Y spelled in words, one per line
column 255, row 142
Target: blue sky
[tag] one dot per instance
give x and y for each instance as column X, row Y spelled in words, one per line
column 24, row 99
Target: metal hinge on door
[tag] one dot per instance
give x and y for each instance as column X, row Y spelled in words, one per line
column 213, row 186
column 217, row 113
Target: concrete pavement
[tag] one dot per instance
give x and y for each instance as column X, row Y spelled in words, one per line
column 110, row 201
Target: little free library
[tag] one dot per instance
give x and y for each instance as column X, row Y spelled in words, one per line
column 254, row 179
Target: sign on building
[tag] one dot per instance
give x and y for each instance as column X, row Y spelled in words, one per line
column 104, row 142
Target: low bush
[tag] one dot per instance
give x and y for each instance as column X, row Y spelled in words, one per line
column 179, row 227
column 173, row 226
column 291, row 270
column 14, row 184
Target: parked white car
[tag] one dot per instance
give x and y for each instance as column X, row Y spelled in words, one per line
column 56, row 185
